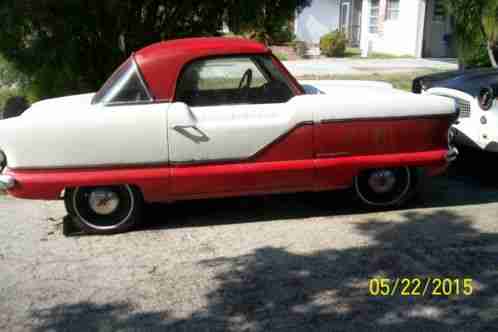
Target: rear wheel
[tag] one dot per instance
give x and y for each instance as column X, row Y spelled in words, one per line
column 387, row 187
column 104, row 209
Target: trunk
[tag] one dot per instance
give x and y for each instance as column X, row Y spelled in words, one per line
column 491, row 55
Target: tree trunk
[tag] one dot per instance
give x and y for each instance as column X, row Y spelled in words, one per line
column 491, row 55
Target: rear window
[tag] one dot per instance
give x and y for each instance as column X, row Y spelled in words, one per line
column 124, row 86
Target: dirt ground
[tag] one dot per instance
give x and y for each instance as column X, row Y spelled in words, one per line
column 296, row 262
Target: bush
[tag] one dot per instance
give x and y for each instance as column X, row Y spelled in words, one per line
column 475, row 57
column 15, row 106
column 333, row 44
column 285, row 35
column 300, row 48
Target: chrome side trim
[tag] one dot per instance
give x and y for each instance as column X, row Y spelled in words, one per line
column 392, row 118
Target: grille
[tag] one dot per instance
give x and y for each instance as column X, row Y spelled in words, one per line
column 464, row 108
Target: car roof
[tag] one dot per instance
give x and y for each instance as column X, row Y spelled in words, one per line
column 161, row 63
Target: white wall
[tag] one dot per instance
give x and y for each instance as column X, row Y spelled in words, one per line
column 318, row 19
column 400, row 37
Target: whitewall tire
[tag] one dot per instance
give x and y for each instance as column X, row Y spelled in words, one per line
column 104, row 209
column 384, row 188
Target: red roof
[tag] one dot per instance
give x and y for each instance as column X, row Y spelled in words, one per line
column 162, row 62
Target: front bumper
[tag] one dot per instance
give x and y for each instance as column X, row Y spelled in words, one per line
column 7, row 182
column 452, row 154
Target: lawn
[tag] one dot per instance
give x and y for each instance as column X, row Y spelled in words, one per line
column 399, row 80
column 356, row 54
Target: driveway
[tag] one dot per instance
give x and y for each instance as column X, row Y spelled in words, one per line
column 345, row 66
column 283, row 263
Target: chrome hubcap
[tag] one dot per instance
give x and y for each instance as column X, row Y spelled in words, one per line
column 103, row 202
column 382, row 181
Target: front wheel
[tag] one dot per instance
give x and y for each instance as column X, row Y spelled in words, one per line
column 383, row 188
column 104, row 209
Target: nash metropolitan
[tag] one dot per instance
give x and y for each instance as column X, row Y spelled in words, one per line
column 217, row 117
column 476, row 92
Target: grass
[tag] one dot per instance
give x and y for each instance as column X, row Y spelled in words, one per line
column 401, row 81
column 352, row 52
column 281, row 56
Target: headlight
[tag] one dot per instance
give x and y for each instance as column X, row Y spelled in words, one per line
column 486, row 98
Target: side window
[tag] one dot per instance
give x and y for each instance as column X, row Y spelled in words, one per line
column 225, row 81
column 124, row 86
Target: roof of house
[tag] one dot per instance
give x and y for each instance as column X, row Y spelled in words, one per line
column 161, row 63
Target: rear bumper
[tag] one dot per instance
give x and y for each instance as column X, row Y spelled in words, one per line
column 7, row 182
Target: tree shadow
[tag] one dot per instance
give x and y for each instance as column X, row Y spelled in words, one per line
column 276, row 289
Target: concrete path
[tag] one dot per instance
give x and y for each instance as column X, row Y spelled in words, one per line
column 335, row 66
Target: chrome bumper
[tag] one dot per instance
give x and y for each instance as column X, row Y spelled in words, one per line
column 7, row 182
column 452, row 154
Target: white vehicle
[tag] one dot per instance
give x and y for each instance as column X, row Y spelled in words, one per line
column 476, row 92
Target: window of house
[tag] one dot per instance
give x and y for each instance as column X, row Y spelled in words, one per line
column 229, row 81
column 392, row 9
column 374, row 16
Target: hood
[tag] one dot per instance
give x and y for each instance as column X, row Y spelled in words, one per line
column 61, row 104
column 468, row 81
column 329, row 86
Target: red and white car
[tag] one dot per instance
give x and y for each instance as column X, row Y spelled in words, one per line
column 216, row 117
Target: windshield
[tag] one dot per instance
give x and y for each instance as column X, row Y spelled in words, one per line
column 124, row 86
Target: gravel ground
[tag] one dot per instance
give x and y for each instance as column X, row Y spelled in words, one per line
column 288, row 263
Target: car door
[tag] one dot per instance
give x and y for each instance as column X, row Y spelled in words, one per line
column 233, row 128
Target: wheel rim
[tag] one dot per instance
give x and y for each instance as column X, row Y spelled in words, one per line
column 104, row 207
column 383, row 187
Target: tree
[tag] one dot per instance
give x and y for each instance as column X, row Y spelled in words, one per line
column 476, row 23
column 72, row 46
column 489, row 24
column 263, row 19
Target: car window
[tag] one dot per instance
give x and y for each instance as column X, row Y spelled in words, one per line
column 225, row 81
column 124, row 86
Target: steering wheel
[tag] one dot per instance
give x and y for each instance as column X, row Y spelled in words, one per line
column 245, row 82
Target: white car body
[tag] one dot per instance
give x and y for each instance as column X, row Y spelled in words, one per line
column 475, row 127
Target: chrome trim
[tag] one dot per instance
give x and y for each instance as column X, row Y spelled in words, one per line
column 390, row 118
column 7, row 182
column 452, row 154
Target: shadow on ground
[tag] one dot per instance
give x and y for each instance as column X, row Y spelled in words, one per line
column 273, row 289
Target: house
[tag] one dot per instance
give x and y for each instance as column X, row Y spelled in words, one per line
column 418, row 28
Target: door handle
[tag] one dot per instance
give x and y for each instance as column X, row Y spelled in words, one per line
column 180, row 127
column 199, row 135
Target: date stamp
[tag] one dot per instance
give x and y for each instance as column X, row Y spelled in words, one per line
column 420, row 287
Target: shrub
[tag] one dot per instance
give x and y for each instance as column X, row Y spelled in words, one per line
column 284, row 35
column 15, row 106
column 300, row 47
column 333, row 44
